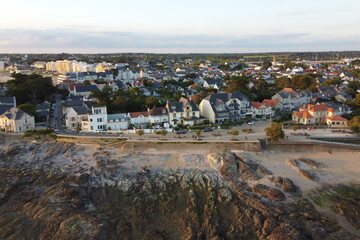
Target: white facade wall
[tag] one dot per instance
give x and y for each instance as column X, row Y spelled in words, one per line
column 20, row 125
column 206, row 110
column 140, row 120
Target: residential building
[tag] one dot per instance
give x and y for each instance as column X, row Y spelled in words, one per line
column 183, row 112
column 75, row 116
column 139, row 118
column 291, row 99
column 158, row 115
column 85, row 90
column 118, row 121
column 223, row 107
column 315, row 114
column 16, row 120
column 336, row 121
column 96, row 120
column 261, row 110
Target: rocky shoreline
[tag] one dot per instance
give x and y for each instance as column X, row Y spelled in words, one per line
column 51, row 190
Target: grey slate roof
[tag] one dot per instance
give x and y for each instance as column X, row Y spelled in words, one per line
column 4, row 108
column 14, row 113
column 226, row 97
column 73, row 97
column 86, row 88
column 118, row 116
column 179, row 106
column 74, row 103
column 80, row 110
column 8, row 101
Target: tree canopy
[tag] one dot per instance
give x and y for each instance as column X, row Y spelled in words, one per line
column 275, row 131
column 30, row 88
column 354, row 124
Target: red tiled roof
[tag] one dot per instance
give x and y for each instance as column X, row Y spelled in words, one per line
column 137, row 114
column 336, row 118
column 256, row 104
column 270, row 103
column 315, row 108
column 288, row 90
column 303, row 114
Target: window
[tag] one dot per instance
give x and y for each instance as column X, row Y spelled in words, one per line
column 25, row 120
column 91, row 120
column 99, row 120
column 91, row 128
column 193, row 114
column 174, row 115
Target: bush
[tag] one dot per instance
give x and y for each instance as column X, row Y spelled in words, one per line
column 39, row 132
column 275, row 131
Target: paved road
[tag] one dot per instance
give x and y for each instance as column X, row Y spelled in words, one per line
column 257, row 133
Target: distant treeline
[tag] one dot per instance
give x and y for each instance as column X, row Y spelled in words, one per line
column 131, row 57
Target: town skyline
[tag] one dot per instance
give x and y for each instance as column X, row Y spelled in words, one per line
column 189, row 27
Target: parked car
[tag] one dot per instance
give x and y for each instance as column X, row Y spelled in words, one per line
column 181, row 131
column 158, row 127
column 207, row 129
column 252, row 122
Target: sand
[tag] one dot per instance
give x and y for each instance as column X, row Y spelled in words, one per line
column 337, row 168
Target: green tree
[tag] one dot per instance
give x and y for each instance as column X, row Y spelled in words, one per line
column 266, row 65
column 151, row 101
column 197, row 133
column 233, row 133
column 237, row 83
column 140, row 132
column 30, row 88
column 283, row 82
column 246, row 130
column 354, row 124
column 28, row 108
column 103, row 95
column 275, row 131
column 295, row 128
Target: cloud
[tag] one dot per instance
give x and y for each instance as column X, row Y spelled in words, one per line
column 81, row 39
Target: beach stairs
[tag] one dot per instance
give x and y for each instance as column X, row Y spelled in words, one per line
column 263, row 146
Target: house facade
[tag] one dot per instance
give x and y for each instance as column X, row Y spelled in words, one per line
column 183, row 112
column 16, row 120
column 315, row 114
column 75, row 116
column 118, row 121
column 139, row 118
column 158, row 115
column 223, row 107
column 260, row 110
column 96, row 120
column 291, row 99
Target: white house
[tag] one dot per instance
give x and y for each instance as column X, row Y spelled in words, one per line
column 118, row 121
column 139, row 118
column 96, row 120
column 223, row 107
column 261, row 110
column 16, row 120
column 290, row 99
column 183, row 112
column 158, row 115
column 75, row 116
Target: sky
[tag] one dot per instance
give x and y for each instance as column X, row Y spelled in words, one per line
column 186, row 26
